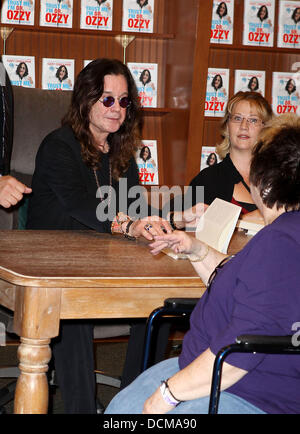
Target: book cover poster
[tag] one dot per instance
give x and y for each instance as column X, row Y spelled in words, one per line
column 289, row 24
column 58, row 74
column 96, row 14
column 138, row 16
column 20, row 69
column 145, row 77
column 285, row 93
column 216, row 92
column 209, row 157
column 259, row 23
column 56, row 13
column 249, row 81
column 222, row 22
column 146, row 159
column 18, row 12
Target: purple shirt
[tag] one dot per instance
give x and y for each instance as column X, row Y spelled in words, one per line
column 256, row 292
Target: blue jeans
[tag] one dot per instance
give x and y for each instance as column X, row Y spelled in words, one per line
column 131, row 399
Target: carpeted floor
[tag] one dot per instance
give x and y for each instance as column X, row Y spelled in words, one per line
column 109, row 357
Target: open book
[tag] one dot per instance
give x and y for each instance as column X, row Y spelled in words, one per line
column 215, row 227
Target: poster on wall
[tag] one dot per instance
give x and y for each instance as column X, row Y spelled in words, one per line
column 20, row 69
column 216, row 92
column 222, row 22
column 56, row 13
column 58, row 74
column 146, row 159
column 249, row 81
column 285, row 93
column 96, row 14
column 145, row 77
column 209, row 157
column 138, row 16
column 289, row 24
column 258, row 28
column 18, row 12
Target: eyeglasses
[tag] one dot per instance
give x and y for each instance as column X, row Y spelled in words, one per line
column 108, row 101
column 215, row 272
column 253, row 121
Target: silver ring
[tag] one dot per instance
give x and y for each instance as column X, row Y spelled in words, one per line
column 148, row 227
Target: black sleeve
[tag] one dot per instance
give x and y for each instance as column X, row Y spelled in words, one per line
column 6, row 121
column 62, row 176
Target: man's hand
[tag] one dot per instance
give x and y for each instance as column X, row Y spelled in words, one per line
column 11, row 191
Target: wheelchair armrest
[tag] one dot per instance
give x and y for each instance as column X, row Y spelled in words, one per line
column 187, row 304
column 265, row 343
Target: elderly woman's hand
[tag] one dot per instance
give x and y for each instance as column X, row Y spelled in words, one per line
column 178, row 241
column 149, row 227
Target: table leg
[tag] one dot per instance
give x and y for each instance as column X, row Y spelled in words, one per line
column 31, row 395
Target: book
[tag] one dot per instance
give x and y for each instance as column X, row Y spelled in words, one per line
column 289, row 24
column 215, row 227
column 285, row 93
column 56, row 13
column 216, row 92
column 259, row 23
column 138, row 16
column 146, row 159
column 222, row 22
column 249, row 80
column 251, row 227
column 17, row 12
column 145, row 77
column 20, row 69
column 58, row 74
column 96, row 14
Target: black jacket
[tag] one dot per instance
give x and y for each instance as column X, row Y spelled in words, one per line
column 6, row 121
column 64, row 188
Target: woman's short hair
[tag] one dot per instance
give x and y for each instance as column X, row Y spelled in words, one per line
column 142, row 75
column 19, row 67
column 256, row 100
column 252, row 79
column 214, row 81
column 142, row 153
column 65, row 74
column 219, row 7
column 290, row 81
column 259, row 12
column 88, row 88
column 275, row 165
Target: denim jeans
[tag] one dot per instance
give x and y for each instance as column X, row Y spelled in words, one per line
column 131, row 399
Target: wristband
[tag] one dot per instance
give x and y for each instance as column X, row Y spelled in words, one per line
column 167, row 395
column 126, row 234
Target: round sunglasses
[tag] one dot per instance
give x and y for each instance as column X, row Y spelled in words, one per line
column 108, row 101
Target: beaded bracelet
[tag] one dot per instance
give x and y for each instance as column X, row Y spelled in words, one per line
column 195, row 258
column 172, row 223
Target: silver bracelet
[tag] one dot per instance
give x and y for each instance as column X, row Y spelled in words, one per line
column 196, row 258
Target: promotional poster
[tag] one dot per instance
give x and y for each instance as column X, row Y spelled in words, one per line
column 18, row 12
column 285, row 93
column 145, row 77
column 146, row 159
column 56, row 13
column 138, row 16
column 216, row 92
column 222, row 22
column 20, row 69
column 259, row 23
column 251, row 81
column 289, row 24
column 58, row 74
column 96, row 14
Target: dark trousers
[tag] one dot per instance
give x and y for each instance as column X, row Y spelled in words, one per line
column 74, row 366
column 74, row 361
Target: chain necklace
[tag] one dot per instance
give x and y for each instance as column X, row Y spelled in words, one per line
column 99, row 187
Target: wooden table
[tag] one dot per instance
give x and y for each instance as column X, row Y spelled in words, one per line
column 46, row 276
